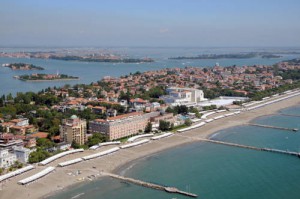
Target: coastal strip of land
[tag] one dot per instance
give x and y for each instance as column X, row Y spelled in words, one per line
column 48, row 80
column 230, row 56
column 64, row 177
column 80, row 57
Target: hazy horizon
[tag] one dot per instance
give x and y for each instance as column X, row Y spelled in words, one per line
column 141, row 46
column 133, row 23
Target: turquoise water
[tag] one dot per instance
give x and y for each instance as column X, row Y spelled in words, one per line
column 92, row 72
column 215, row 171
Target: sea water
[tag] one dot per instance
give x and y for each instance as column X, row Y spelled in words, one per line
column 214, row 171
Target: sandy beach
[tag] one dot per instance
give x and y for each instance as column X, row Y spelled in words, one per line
column 64, row 177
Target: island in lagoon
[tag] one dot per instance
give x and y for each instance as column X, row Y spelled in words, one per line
column 271, row 56
column 22, row 66
column 82, row 56
column 110, row 59
column 45, row 77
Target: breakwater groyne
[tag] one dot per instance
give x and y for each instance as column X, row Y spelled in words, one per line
column 273, row 127
column 245, row 146
column 251, row 147
column 290, row 115
column 151, row 185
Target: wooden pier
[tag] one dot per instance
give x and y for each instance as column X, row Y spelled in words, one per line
column 150, row 185
column 252, row 147
column 273, row 127
column 245, row 146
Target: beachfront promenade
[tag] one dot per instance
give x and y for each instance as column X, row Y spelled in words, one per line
column 215, row 120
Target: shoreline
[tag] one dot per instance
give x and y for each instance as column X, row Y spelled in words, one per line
column 52, row 80
column 60, row 180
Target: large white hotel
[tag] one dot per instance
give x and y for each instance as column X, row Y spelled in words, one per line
column 122, row 125
column 177, row 96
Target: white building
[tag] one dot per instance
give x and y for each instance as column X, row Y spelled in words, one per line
column 183, row 96
column 124, row 103
column 222, row 101
column 155, row 105
column 22, row 154
column 21, row 122
column 7, row 159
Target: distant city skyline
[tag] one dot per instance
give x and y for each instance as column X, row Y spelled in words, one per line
column 168, row 23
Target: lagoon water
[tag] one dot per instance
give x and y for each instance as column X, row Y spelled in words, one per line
column 92, row 71
column 214, row 171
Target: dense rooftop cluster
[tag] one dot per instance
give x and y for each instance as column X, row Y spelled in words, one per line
column 39, row 119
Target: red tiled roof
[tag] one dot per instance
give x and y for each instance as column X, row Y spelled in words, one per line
column 139, row 100
column 100, row 120
column 56, row 137
column 99, row 107
column 125, row 115
column 16, row 120
column 18, row 127
column 39, row 135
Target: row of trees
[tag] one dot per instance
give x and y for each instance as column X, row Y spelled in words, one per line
column 261, row 94
column 151, row 94
column 16, row 165
column 219, row 91
column 182, row 109
column 168, row 126
column 95, row 139
column 38, row 155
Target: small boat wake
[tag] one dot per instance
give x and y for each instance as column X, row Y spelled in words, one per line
column 213, row 135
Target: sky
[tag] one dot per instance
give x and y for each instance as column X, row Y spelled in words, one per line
column 164, row 23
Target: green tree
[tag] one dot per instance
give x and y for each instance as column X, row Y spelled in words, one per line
column 37, row 156
column 9, row 97
column 45, row 143
column 237, row 102
column 148, row 128
column 164, row 125
column 125, row 96
column 170, row 110
column 188, row 122
column 1, row 170
column 53, row 131
column 75, row 145
column 96, row 138
column 198, row 115
column 156, row 92
column 182, row 109
column 17, row 165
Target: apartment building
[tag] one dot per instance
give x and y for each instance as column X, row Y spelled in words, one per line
column 6, row 158
column 75, row 129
